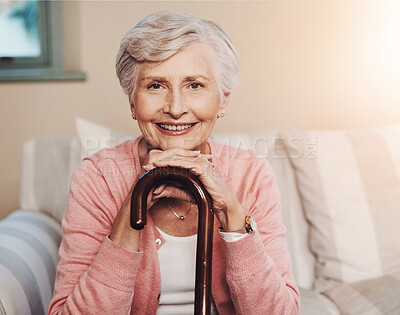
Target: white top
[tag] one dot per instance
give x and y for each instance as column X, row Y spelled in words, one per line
column 178, row 278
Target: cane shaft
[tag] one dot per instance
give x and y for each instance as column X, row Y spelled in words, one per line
column 193, row 184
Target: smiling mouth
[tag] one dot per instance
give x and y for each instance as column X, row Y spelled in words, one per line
column 175, row 127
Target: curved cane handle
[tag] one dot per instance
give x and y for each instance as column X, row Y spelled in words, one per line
column 168, row 175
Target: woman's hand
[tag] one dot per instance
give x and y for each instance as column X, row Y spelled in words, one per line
column 226, row 206
column 122, row 232
column 164, row 191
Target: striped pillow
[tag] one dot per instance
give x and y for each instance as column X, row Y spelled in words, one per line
column 349, row 182
column 379, row 296
column 28, row 258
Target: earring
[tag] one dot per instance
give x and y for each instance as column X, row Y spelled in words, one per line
column 133, row 116
column 221, row 115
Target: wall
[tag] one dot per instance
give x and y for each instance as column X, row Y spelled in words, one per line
column 304, row 64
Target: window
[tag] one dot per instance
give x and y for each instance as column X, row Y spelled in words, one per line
column 31, row 46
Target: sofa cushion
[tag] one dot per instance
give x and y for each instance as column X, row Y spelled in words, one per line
column 28, row 258
column 380, row 296
column 349, row 183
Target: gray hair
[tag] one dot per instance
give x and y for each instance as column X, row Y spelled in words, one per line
column 161, row 35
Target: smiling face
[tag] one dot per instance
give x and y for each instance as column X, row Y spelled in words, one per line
column 176, row 102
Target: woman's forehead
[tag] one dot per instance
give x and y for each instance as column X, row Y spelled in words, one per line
column 193, row 61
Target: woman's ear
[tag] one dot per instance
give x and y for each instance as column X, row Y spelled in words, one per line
column 224, row 104
column 133, row 111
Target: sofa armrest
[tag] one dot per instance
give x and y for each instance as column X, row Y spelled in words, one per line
column 29, row 244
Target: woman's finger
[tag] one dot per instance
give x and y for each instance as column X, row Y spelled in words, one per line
column 175, row 192
column 196, row 166
column 195, row 158
column 156, row 155
column 159, row 189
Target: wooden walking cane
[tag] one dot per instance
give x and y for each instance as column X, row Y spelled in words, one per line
column 173, row 175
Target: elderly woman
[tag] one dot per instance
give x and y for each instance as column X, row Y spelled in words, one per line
column 178, row 72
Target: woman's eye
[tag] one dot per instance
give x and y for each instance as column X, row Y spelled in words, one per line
column 154, row 86
column 195, row 85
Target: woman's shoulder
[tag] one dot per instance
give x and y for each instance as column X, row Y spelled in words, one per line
column 125, row 152
column 114, row 164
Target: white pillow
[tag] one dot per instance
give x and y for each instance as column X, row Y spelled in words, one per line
column 94, row 137
column 349, row 182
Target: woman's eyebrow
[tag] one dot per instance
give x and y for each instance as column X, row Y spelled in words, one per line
column 195, row 77
column 192, row 77
column 154, row 78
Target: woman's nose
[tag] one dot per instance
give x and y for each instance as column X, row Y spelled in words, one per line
column 175, row 104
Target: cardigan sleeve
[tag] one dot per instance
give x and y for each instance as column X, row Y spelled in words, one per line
column 94, row 275
column 258, row 267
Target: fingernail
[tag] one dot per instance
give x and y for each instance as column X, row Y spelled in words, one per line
column 157, row 191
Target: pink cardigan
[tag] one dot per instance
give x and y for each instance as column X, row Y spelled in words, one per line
column 96, row 276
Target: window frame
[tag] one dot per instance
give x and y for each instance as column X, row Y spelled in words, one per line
column 32, row 62
column 50, row 66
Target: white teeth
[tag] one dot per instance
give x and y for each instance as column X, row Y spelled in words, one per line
column 174, row 127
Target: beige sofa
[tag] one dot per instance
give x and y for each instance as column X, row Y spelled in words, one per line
column 30, row 236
